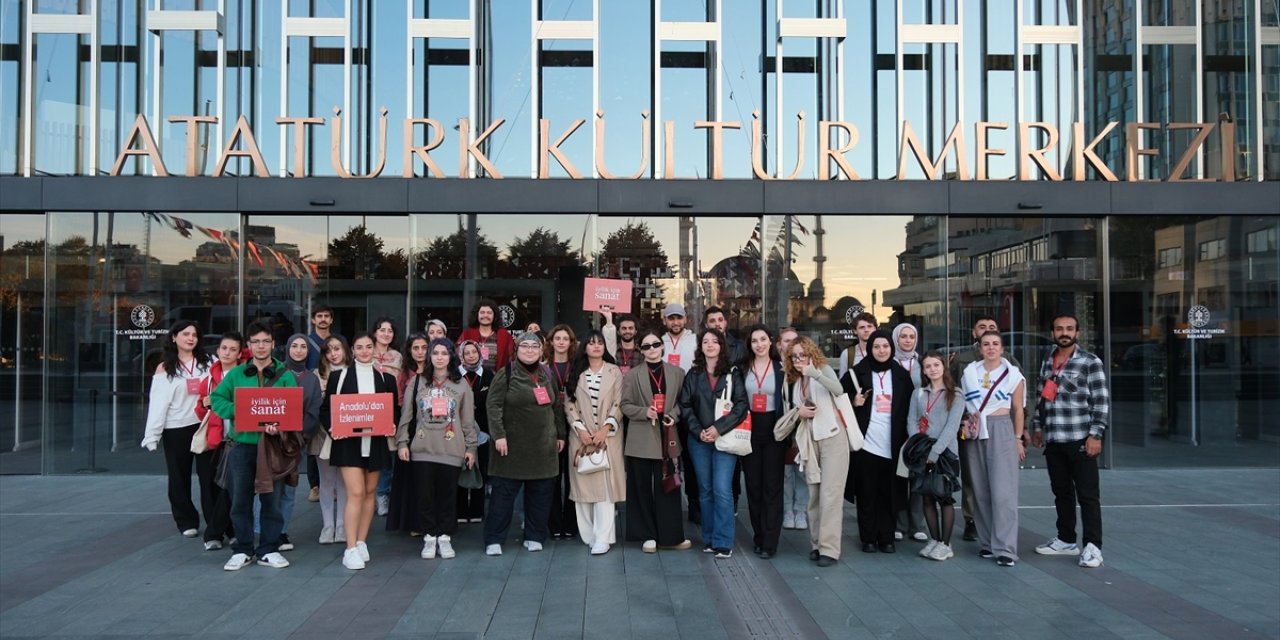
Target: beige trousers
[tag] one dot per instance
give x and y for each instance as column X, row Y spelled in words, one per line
column 826, row 499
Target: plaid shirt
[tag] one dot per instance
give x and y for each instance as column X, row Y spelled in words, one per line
column 1083, row 405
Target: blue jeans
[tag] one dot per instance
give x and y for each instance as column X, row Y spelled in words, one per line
column 502, row 499
column 714, row 469
column 384, row 481
column 243, row 465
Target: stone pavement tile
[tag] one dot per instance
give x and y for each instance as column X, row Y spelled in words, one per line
column 695, row 610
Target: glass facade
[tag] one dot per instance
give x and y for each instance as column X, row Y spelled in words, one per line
column 1182, row 307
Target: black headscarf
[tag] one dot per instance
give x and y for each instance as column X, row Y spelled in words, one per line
column 871, row 361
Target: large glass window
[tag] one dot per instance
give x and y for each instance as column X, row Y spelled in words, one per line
column 116, row 281
column 22, row 361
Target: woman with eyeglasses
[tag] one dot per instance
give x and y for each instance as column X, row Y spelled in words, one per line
column 822, row 446
column 527, row 424
column 651, row 406
column 595, row 421
column 882, row 408
column 360, row 459
column 763, row 466
column 708, row 381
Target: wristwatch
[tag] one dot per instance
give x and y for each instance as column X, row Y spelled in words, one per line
column 1096, row 436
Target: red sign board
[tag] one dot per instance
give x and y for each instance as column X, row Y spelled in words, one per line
column 598, row 292
column 258, row 408
column 361, row 414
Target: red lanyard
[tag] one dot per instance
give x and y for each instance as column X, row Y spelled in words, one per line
column 881, row 376
column 1057, row 369
column 191, row 371
column 760, row 378
column 471, row 378
column 564, row 379
column 675, row 342
column 910, row 364
column 438, row 385
column 929, row 403
column 659, row 381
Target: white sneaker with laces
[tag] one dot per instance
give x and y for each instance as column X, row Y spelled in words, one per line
column 428, row 547
column 351, row 559
column 445, row 545
column 928, row 549
column 363, row 549
column 942, row 551
column 190, row 533
column 897, row 536
column 273, row 560
column 1091, row 557
column 650, row 546
column 789, row 520
column 384, row 505
column 212, row 545
column 1056, row 547
column 599, row 549
column 532, row 546
column 493, row 550
column 920, row 536
column 802, row 520
column 326, row 535
column 237, row 562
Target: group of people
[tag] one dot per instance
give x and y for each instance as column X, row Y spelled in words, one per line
column 636, row 415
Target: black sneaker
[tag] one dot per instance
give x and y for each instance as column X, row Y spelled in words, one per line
column 986, row 554
column 706, row 548
column 1005, row 561
column 722, row 554
column 970, row 531
column 285, row 543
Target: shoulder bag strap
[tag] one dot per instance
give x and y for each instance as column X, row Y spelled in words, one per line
column 993, row 389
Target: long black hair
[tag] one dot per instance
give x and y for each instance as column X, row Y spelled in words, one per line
column 409, row 364
column 750, row 356
column 722, row 361
column 169, row 359
column 429, row 370
column 581, row 362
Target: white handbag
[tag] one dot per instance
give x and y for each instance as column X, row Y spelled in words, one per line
column 591, row 459
column 738, row 440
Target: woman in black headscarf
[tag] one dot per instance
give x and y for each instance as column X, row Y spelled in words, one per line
column 882, row 400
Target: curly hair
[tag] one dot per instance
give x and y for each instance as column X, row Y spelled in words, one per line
column 810, row 348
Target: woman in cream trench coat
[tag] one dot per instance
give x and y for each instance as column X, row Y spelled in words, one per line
column 597, row 420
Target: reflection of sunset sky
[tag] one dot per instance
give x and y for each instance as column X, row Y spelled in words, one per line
column 861, row 251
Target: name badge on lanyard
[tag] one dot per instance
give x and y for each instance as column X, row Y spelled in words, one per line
column 541, row 396
column 439, row 407
column 759, row 402
column 674, row 359
column 193, row 386
column 1050, row 390
column 884, row 403
column 659, row 402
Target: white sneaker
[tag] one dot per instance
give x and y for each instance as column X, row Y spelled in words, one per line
column 532, row 546
column 599, row 549
column 326, row 535
column 273, row 560
column 190, row 533
column 920, row 536
column 384, row 505
column 942, row 551
column 212, row 545
column 237, row 562
column 650, row 546
column 340, row 534
column 363, row 549
column 927, row 551
column 493, row 550
column 802, row 520
column 351, row 559
column 1056, row 547
column 1091, row 557
column 445, row 545
column 428, row 547
column 789, row 520
column 897, row 536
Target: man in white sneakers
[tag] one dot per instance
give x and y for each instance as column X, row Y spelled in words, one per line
column 1073, row 408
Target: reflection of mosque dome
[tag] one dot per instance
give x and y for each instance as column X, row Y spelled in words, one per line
column 816, row 289
column 840, row 311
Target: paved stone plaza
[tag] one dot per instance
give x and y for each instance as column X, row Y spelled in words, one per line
column 1189, row 554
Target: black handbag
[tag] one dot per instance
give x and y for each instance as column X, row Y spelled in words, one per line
column 221, row 473
column 470, row 477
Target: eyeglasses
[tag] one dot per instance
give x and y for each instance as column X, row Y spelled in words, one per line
column 530, row 345
column 261, row 343
column 650, row 345
column 799, row 356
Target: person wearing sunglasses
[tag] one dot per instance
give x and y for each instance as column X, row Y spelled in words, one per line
column 650, row 405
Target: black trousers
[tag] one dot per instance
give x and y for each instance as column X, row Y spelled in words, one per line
column 875, row 497
column 652, row 514
column 313, row 471
column 218, row 519
column 763, row 469
column 1073, row 476
column 690, row 476
column 471, row 501
column 437, row 497
column 537, row 502
column 178, row 461
column 563, row 520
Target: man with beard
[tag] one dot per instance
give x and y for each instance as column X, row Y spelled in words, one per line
column 620, row 340
column 679, row 344
column 714, row 318
column 496, row 343
column 1073, row 408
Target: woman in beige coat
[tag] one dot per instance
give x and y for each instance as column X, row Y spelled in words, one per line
column 595, row 420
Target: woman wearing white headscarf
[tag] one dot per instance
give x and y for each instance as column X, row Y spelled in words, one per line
column 905, row 338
